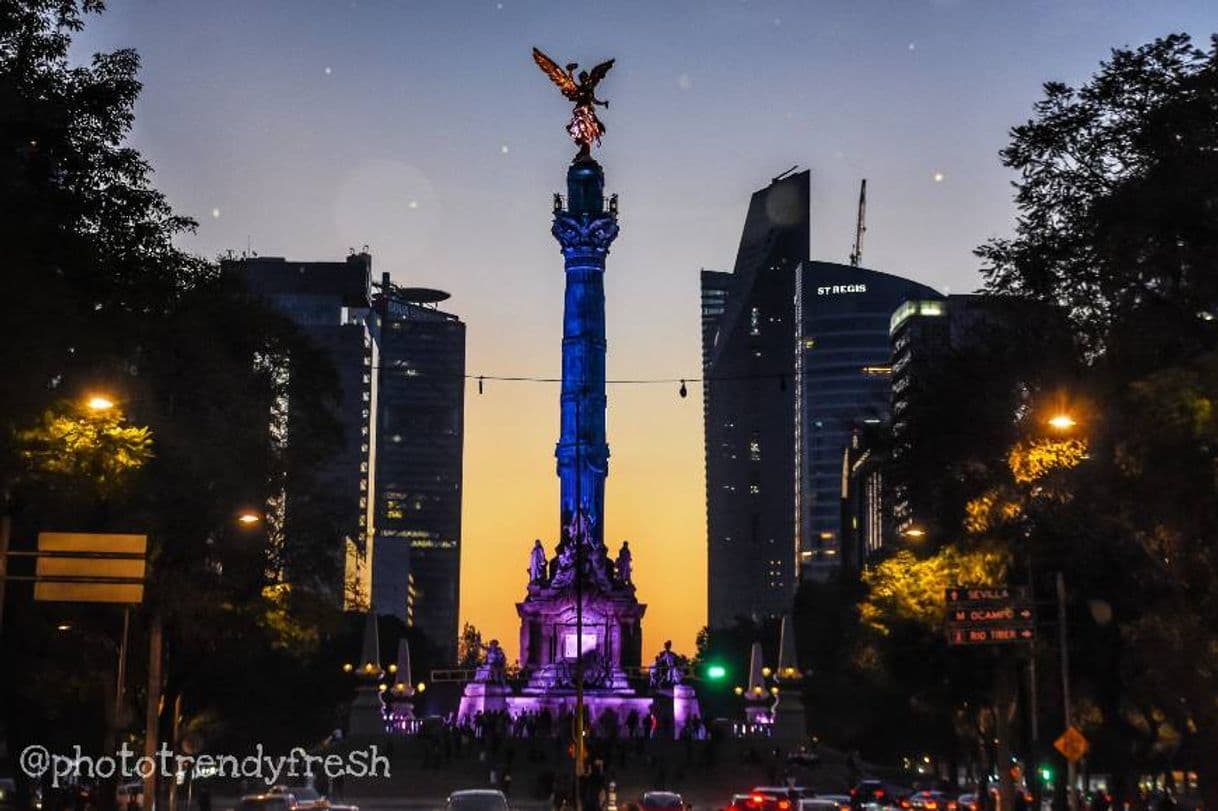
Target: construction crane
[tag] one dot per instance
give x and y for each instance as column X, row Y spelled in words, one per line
column 856, row 256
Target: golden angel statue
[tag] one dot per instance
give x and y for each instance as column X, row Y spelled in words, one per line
column 585, row 128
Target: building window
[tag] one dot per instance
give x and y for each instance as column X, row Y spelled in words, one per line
column 755, row 449
column 754, row 489
column 755, row 322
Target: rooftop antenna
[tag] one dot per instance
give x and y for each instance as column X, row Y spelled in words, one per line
column 856, row 256
column 784, row 174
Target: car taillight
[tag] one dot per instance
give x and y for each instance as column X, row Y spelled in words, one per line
column 756, row 799
column 951, row 805
column 879, row 792
column 906, row 804
column 932, row 805
column 784, row 805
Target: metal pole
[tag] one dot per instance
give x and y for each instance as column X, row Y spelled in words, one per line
column 6, row 525
column 1032, row 770
column 153, row 710
column 120, row 687
column 1071, row 771
column 173, row 743
column 579, row 607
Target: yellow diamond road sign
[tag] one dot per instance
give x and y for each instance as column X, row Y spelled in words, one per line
column 1072, row 744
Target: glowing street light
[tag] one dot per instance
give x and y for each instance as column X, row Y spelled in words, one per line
column 914, row 533
column 99, row 402
column 1062, row 422
column 248, row 518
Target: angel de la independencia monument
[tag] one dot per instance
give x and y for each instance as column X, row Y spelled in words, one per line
column 580, row 619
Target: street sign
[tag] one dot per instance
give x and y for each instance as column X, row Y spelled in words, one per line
column 988, row 636
column 989, row 615
column 1072, row 744
column 84, row 567
column 983, row 594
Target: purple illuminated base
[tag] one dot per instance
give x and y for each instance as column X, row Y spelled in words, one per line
column 559, row 703
column 479, row 697
column 676, row 708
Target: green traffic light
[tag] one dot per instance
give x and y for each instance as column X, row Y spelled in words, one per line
column 1046, row 774
column 716, row 672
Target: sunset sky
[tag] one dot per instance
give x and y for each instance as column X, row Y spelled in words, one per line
column 424, row 131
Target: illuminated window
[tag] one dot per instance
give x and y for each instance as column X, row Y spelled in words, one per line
column 755, row 449
column 754, row 489
column 755, row 322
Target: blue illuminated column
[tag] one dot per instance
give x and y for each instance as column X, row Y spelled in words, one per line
column 585, row 230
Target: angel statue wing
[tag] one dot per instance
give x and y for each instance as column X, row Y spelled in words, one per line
column 557, row 75
column 599, row 72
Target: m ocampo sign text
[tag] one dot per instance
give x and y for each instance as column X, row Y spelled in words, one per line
column 989, row 615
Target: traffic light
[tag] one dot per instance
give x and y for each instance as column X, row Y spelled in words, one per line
column 1046, row 774
column 716, row 672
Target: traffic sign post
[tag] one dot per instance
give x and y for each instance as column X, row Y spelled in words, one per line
column 989, row 615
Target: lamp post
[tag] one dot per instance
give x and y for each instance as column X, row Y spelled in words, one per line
column 579, row 606
column 156, row 632
column 1060, row 422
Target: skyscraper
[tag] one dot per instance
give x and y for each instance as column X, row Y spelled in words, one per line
column 843, row 385
column 748, row 367
column 330, row 302
column 795, row 360
column 420, row 434
column 923, row 331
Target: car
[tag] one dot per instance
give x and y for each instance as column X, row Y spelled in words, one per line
column 661, row 801
column 931, row 800
column 776, row 798
column 826, row 803
column 873, row 793
column 266, row 802
column 968, row 802
column 740, row 802
column 842, row 800
column 308, row 798
column 477, row 799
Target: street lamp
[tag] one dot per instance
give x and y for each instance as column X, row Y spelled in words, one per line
column 914, row 533
column 99, row 402
column 1062, row 422
column 248, row 518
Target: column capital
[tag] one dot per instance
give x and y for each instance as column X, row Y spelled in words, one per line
column 584, row 235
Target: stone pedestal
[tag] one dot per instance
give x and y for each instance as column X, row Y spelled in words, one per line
column 366, row 718
column 790, row 718
column 684, row 707
column 676, row 707
column 401, row 715
column 482, row 697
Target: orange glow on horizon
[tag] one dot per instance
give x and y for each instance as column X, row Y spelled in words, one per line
column 655, row 498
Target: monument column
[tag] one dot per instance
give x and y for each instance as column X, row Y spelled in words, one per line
column 585, row 230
